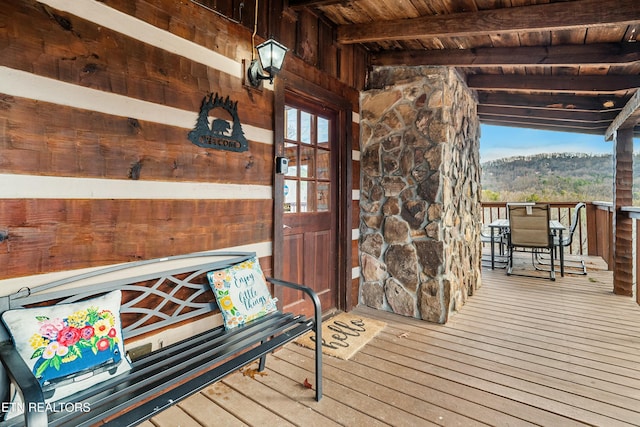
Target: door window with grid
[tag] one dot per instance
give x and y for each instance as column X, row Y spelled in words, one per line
column 307, row 185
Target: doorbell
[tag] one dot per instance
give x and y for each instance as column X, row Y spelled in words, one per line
column 282, row 165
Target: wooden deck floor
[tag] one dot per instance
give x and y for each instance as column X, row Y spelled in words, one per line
column 522, row 351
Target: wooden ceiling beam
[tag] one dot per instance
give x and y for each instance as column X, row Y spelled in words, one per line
column 551, row 115
column 601, row 103
column 598, row 54
column 299, row 4
column 628, row 117
column 540, row 17
column 609, row 84
column 544, row 125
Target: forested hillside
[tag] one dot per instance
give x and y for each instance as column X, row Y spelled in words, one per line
column 553, row 178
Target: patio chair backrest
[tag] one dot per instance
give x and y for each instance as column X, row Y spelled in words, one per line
column 513, row 204
column 529, row 226
column 574, row 218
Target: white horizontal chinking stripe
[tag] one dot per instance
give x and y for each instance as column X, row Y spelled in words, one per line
column 108, row 17
column 26, row 85
column 53, row 187
column 31, row 86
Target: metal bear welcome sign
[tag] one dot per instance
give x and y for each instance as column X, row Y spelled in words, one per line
column 216, row 132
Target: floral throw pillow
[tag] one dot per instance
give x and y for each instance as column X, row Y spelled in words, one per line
column 67, row 343
column 241, row 292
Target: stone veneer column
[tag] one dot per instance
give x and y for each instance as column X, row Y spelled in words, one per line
column 420, row 250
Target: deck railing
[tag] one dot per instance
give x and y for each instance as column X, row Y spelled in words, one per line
column 600, row 230
column 634, row 214
column 560, row 211
column 594, row 233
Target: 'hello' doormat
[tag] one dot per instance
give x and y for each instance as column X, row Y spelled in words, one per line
column 343, row 335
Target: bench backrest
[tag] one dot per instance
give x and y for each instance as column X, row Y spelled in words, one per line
column 157, row 293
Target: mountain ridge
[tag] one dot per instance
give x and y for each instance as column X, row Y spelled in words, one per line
column 553, row 177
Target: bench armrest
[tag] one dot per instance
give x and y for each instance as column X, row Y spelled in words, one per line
column 317, row 327
column 314, row 297
column 35, row 412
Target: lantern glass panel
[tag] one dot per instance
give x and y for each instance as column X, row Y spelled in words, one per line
column 271, row 55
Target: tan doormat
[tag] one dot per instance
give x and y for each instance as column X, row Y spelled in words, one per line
column 343, row 335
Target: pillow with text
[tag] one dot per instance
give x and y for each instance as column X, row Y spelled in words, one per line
column 241, row 292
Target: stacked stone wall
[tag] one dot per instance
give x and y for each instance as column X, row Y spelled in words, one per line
column 420, row 192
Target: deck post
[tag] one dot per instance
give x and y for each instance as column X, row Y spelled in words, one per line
column 622, row 223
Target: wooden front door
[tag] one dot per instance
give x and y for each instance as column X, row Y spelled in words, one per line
column 309, row 203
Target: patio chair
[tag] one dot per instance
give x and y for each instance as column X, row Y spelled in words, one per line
column 577, row 264
column 529, row 231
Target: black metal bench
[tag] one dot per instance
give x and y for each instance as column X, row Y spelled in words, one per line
column 176, row 292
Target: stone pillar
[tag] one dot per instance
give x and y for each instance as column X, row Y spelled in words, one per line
column 420, row 250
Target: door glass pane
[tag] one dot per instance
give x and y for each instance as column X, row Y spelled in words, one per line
column 323, row 132
column 291, row 121
column 290, row 195
column 291, row 153
column 311, row 197
column 323, row 195
column 307, row 162
column 324, row 164
column 304, row 196
column 305, row 127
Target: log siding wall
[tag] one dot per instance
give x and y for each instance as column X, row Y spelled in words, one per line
column 97, row 99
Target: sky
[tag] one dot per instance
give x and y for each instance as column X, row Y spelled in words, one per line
column 497, row 142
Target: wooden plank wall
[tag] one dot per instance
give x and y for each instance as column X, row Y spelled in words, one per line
column 97, row 99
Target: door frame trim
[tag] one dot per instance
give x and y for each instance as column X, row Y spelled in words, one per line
column 288, row 82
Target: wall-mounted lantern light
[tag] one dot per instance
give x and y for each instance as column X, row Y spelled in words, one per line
column 271, row 56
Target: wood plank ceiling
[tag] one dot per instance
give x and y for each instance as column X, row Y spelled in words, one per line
column 548, row 64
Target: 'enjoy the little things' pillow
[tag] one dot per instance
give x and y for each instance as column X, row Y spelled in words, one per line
column 67, row 343
column 241, row 292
